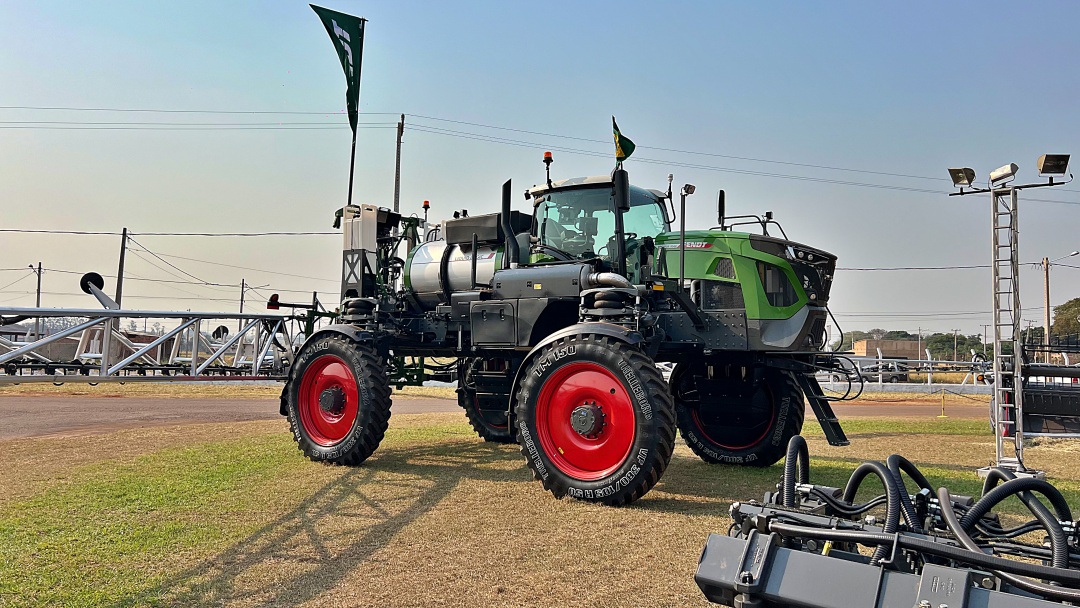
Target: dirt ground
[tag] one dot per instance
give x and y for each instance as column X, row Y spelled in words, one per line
column 39, row 415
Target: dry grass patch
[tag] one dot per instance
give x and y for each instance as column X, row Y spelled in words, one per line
column 190, row 390
column 232, row 515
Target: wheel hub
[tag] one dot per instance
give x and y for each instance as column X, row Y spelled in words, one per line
column 587, row 420
column 332, row 401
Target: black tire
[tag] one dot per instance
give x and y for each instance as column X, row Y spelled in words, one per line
column 491, row 426
column 752, row 423
column 624, row 428
column 337, row 400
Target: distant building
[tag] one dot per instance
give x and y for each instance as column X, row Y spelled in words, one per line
column 890, row 349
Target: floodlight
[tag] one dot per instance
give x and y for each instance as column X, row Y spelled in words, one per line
column 688, row 189
column 962, row 178
column 1053, row 164
column 1003, row 173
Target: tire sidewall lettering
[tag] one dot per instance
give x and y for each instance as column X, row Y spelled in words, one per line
column 354, row 361
column 639, row 459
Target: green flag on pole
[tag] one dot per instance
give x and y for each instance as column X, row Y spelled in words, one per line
column 623, row 146
column 347, row 33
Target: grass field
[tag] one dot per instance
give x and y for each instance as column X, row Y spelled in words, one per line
column 232, row 515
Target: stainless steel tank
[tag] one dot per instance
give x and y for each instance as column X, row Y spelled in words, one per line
column 422, row 270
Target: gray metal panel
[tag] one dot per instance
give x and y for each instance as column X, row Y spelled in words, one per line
column 723, row 330
column 494, row 323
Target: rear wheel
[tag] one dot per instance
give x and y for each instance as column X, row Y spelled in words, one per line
column 337, row 400
column 487, row 412
column 594, row 419
column 735, row 414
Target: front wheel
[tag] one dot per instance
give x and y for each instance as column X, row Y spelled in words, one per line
column 337, row 400
column 737, row 415
column 594, row 420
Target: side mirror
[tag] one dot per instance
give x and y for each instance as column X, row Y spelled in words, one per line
column 720, row 208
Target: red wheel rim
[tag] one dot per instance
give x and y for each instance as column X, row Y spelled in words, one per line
column 593, row 457
column 328, row 425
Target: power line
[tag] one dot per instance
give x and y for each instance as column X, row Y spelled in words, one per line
column 285, row 126
column 186, row 124
column 207, row 234
column 276, row 272
column 667, row 163
column 693, row 152
column 169, row 111
column 170, row 264
column 219, row 128
column 15, row 281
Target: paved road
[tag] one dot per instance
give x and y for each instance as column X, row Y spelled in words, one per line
column 38, row 416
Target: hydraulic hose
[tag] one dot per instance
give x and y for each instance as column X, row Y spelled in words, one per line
column 798, row 458
column 975, row 558
column 1023, row 583
column 847, row 509
column 896, row 464
column 1061, row 507
column 892, row 499
column 1016, row 486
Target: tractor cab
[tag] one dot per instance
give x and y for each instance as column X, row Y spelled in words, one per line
column 575, row 220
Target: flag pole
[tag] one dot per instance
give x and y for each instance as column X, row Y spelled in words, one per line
column 352, row 167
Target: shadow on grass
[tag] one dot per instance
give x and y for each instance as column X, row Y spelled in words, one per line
column 231, row 575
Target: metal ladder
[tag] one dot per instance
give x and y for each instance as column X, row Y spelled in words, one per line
column 1007, row 405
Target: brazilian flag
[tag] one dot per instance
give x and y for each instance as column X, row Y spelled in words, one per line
column 623, row 146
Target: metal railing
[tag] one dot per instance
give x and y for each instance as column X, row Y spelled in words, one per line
column 262, row 348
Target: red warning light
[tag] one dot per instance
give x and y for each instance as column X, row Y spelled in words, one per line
column 427, row 205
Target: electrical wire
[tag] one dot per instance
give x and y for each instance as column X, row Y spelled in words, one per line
column 451, row 132
column 209, row 234
column 18, row 280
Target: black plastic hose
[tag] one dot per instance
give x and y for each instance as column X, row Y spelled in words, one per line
column 892, row 499
column 1061, row 506
column 896, row 464
column 1017, row 581
column 1016, row 486
column 798, row 458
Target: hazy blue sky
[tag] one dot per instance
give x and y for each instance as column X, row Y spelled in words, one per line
column 860, row 90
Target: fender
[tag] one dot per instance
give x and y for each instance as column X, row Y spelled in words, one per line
column 604, row 329
column 349, row 331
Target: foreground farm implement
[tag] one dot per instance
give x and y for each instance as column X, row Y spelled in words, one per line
column 557, row 317
column 931, row 549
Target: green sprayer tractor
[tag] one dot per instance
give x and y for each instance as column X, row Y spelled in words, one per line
column 555, row 319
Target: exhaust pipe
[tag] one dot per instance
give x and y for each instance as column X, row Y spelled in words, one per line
column 513, row 251
column 608, row 279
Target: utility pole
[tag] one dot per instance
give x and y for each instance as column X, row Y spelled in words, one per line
column 1046, row 307
column 397, row 167
column 243, row 290
column 919, row 353
column 985, row 326
column 37, row 321
column 955, row 356
column 120, row 271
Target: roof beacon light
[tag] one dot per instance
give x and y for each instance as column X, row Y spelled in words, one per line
column 547, row 166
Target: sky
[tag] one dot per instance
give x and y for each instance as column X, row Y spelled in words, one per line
column 841, row 118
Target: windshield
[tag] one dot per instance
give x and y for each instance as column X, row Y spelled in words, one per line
column 581, row 222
